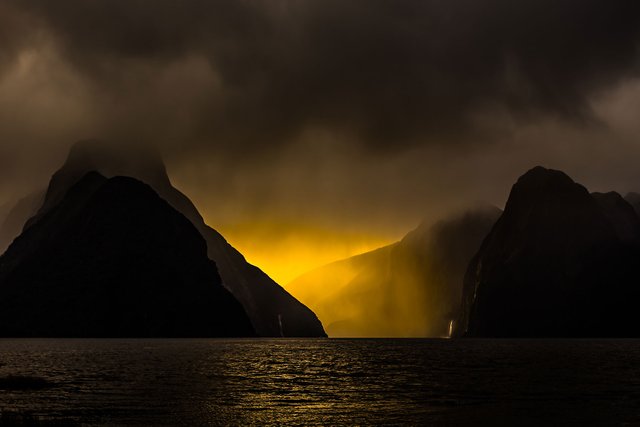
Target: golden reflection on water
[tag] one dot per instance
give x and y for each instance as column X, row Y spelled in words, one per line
column 322, row 382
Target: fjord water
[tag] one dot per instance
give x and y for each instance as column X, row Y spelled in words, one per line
column 323, row 381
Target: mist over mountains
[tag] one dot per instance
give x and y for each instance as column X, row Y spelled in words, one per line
column 14, row 217
column 112, row 259
column 112, row 235
column 324, row 110
column 560, row 262
column 634, row 200
column 412, row 288
column 273, row 311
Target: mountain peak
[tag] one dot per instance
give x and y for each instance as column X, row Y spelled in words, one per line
column 621, row 214
column 634, row 200
column 557, row 256
column 541, row 193
column 541, row 177
column 273, row 311
column 107, row 158
column 116, row 158
column 113, row 259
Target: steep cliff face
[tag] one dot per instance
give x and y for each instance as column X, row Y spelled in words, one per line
column 14, row 220
column 4, row 211
column 272, row 310
column 112, row 259
column 620, row 214
column 634, row 200
column 554, row 265
column 411, row 288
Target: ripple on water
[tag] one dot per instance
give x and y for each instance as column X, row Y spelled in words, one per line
column 322, row 382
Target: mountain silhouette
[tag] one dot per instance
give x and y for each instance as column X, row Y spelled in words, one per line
column 559, row 262
column 634, row 200
column 5, row 238
column 4, row 211
column 272, row 310
column 15, row 217
column 412, row 288
column 620, row 214
column 112, row 259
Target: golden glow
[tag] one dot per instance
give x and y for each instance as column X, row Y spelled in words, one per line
column 351, row 298
column 287, row 250
column 359, row 301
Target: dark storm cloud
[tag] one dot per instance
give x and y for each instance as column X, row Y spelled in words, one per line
column 389, row 73
column 362, row 117
column 14, row 35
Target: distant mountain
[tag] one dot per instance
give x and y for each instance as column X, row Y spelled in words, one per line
column 634, row 200
column 272, row 310
column 12, row 223
column 412, row 288
column 4, row 211
column 112, row 259
column 620, row 214
column 559, row 262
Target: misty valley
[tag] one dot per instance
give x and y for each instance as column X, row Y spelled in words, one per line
column 320, row 213
column 112, row 249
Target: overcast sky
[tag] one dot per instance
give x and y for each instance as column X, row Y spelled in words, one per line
column 359, row 116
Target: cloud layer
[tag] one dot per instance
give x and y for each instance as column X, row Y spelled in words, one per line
column 258, row 73
column 324, row 108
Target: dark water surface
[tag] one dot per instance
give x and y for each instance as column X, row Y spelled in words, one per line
column 324, row 382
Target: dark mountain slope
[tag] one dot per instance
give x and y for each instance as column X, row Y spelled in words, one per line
column 411, row 288
column 272, row 310
column 14, row 221
column 620, row 214
column 4, row 211
column 554, row 265
column 112, row 259
column 634, row 200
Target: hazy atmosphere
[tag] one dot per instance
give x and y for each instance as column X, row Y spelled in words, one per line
column 306, row 132
column 320, row 212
